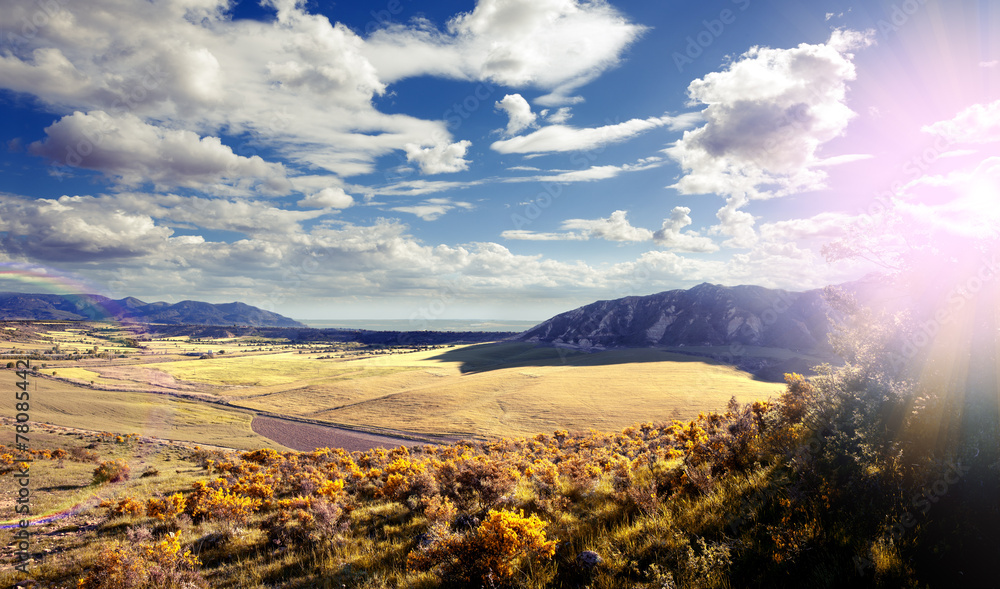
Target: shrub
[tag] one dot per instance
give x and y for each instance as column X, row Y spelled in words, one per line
column 489, row 554
column 131, row 565
column 220, row 504
column 167, row 508
column 439, row 509
column 306, row 521
column 125, row 507
column 111, row 471
column 83, row 455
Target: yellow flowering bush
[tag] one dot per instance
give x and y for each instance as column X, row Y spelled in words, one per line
column 491, row 553
column 127, row 565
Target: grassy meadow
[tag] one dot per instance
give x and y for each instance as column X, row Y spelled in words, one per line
column 151, row 414
column 482, row 390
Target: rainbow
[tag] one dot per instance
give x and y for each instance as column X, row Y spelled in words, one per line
column 25, row 278
column 44, row 280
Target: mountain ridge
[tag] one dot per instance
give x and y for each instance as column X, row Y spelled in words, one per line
column 86, row 307
column 704, row 315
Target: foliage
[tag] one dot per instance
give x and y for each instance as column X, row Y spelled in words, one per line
column 490, row 553
column 111, row 471
column 158, row 565
column 166, row 508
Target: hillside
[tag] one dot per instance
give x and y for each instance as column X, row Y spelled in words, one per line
column 706, row 315
column 53, row 307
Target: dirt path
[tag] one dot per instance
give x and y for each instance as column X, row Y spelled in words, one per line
column 306, row 437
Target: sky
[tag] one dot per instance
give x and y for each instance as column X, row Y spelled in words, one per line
column 496, row 159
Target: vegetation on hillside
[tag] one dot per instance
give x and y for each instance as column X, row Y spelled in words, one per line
column 864, row 475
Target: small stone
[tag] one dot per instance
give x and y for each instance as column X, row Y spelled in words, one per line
column 588, row 559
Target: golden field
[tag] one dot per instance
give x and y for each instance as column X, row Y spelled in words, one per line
column 482, row 390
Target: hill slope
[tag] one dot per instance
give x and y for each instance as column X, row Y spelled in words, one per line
column 706, row 315
column 48, row 307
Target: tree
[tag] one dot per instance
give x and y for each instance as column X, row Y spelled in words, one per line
column 918, row 392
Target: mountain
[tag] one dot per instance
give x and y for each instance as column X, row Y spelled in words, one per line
column 48, row 307
column 706, row 315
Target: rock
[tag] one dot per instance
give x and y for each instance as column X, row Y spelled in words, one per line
column 588, row 559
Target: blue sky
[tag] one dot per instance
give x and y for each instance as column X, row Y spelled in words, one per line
column 504, row 159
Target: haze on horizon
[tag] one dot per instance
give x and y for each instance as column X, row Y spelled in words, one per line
column 500, row 159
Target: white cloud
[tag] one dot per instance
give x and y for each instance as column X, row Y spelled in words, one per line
column 961, row 202
column 766, row 117
column 334, row 198
column 617, row 228
column 586, row 174
column 958, row 153
column 133, row 152
column 439, row 159
column 824, row 226
column 559, row 116
column 979, row 123
column 299, row 85
column 735, row 224
column 418, row 187
column 837, row 160
column 238, row 215
column 555, row 138
column 60, row 231
column 555, row 45
column 526, row 235
column 614, row 228
column 134, row 254
column 433, row 208
column 670, row 234
column 518, row 112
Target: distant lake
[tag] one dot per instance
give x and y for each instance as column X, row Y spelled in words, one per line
column 430, row 325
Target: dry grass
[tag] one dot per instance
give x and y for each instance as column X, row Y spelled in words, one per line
column 149, row 414
column 526, row 395
column 479, row 390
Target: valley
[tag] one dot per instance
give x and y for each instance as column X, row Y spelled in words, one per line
column 210, row 389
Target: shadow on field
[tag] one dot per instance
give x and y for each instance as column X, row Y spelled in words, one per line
column 495, row 356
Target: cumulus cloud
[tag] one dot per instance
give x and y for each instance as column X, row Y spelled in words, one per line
column 555, row 45
column 322, row 58
column 332, row 198
column 518, row 111
column 614, row 228
column 735, row 224
column 670, row 234
column 62, row 231
column 298, row 84
column 439, row 159
column 134, row 152
column 237, row 215
column 979, row 123
column 767, row 114
column 332, row 260
column 433, row 208
column 555, row 138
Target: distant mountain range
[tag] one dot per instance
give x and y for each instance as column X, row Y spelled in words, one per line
column 49, row 307
column 706, row 315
